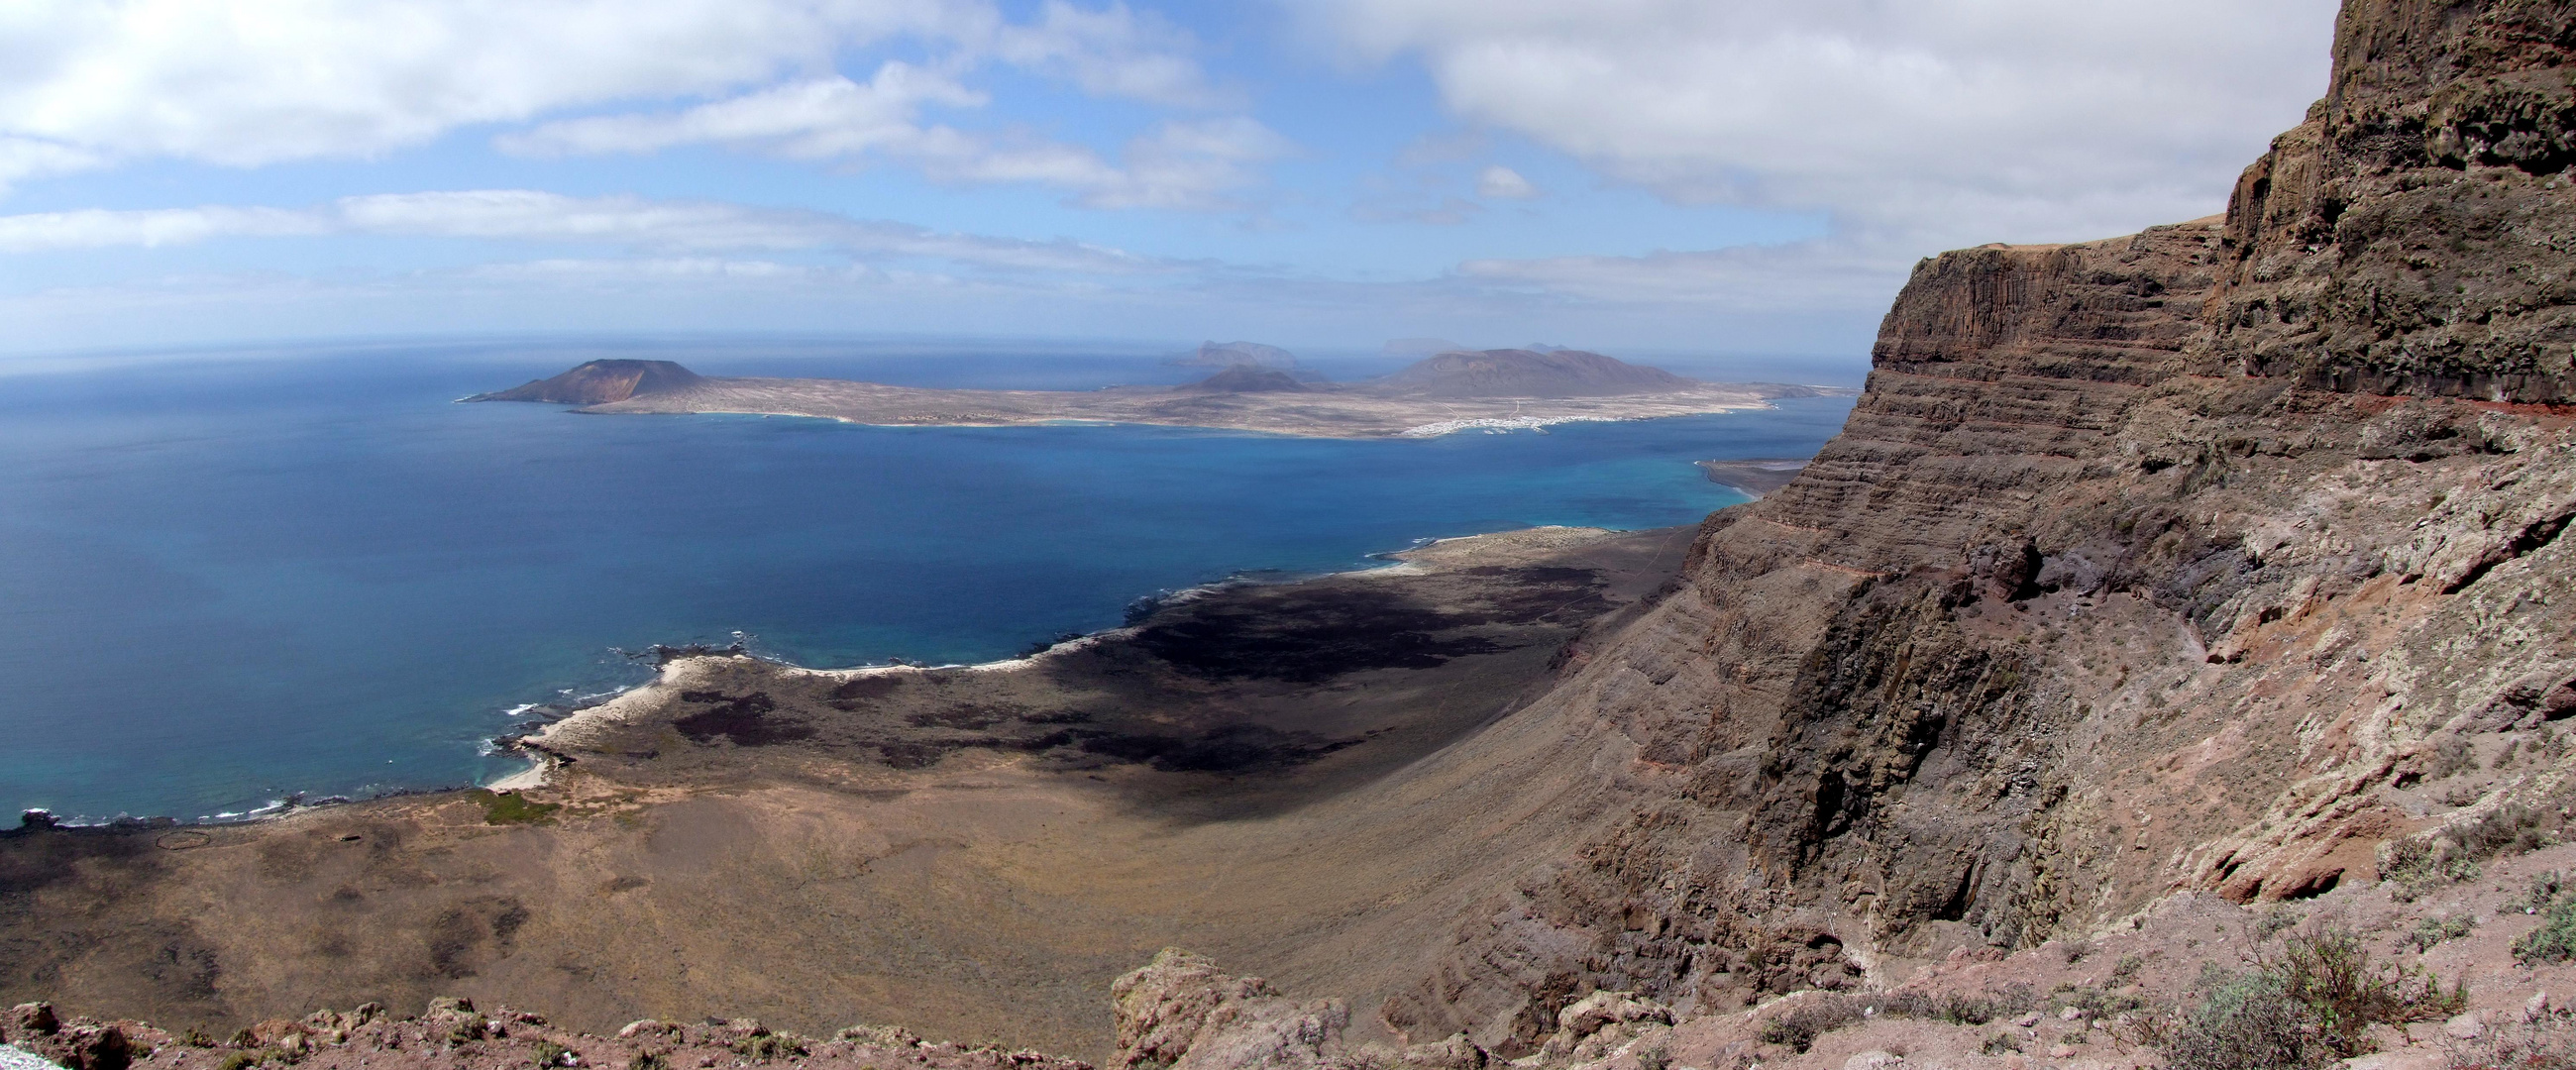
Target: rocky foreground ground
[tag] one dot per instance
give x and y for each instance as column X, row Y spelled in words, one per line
column 2464, row 964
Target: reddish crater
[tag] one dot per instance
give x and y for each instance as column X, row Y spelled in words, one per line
column 600, row 382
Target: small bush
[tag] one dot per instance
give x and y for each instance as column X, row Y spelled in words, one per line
column 2543, row 893
column 239, row 1060
column 2429, row 932
column 2546, row 1044
column 2451, row 757
column 2309, row 1005
column 548, row 1053
column 513, row 808
column 1799, row 1026
column 2554, row 940
column 1823, row 1013
column 651, row 1060
column 2281, row 916
column 2095, row 1003
column 2510, row 829
column 2413, row 867
column 2126, row 970
column 769, row 1046
column 2000, row 1044
column 1958, row 1008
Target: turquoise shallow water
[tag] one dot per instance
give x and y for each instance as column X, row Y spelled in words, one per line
column 224, row 581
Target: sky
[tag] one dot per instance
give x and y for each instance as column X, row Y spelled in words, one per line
column 1690, row 176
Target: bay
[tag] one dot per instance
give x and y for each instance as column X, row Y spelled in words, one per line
column 229, row 578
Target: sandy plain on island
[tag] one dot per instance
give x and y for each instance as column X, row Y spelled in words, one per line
column 1330, row 411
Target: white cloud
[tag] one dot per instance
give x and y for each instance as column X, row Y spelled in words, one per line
column 97, row 228
column 25, row 158
column 811, row 119
column 1806, row 277
column 1190, row 164
column 634, row 223
column 1178, row 164
column 1945, row 120
column 1113, row 52
column 255, row 83
column 91, row 83
column 1502, row 183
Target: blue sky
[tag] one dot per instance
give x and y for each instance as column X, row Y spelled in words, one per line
column 1700, row 176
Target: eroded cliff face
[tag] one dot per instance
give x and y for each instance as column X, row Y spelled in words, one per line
column 2413, row 235
column 2217, row 557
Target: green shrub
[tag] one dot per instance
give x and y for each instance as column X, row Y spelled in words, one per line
column 2310, row 1005
column 1957, row 1008
column 2429, row 932
column 1799, row 1026
column 2413, row 867
column 2544, row 892
column 548, row 1053
column 2281, row 916
column 2126, row 970
column 2511, row 829
column 769, row 1046
column 239, row 1060
column 513, row 808
column 2554, row 940
column 650, row 1060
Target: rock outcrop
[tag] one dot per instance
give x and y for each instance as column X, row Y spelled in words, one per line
column 600, row 382
column 2412, row 236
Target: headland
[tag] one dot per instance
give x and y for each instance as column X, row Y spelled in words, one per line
column 745, row 838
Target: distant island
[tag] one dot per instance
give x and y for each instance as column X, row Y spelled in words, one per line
column 1258, row 388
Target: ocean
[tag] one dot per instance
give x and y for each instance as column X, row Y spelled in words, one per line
column 232, row 578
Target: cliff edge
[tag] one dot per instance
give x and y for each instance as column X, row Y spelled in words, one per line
column 2224, row 557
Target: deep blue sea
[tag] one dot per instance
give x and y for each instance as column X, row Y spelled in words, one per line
column 230, row 577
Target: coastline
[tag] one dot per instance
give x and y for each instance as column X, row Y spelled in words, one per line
column 1196, row 745
column 585, row 727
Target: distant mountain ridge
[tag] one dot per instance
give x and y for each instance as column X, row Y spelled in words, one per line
column 1505, row 373
column 600, row 382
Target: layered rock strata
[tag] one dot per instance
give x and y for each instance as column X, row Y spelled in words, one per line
column 2218, row 557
